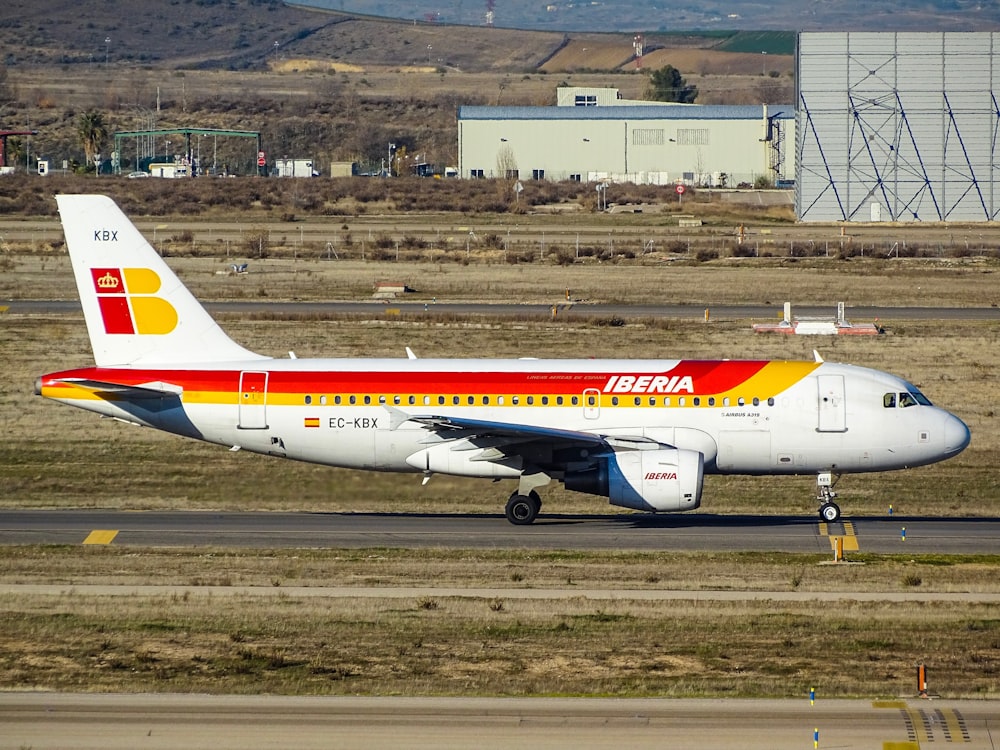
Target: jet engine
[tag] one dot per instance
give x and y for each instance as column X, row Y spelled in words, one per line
column 667, row 479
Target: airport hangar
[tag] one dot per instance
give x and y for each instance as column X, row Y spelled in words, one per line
column 592, row 136
column 887, row 126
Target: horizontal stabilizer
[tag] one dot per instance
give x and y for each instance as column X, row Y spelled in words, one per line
column 123, row 391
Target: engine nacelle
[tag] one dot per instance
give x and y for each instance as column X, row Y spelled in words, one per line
column 662, row 480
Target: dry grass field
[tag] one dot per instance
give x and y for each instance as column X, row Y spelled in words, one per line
column 59, row 456
column 186, row 640
column 273, row 641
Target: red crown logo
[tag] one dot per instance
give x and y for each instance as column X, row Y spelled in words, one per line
column 107, row 281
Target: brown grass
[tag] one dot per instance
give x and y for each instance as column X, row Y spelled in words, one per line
column 56, row 456
column 290, row 644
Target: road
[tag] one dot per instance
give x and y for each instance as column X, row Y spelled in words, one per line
column 45, row 721
column 680, row 532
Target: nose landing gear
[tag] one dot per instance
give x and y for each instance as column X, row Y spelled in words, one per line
column 829, row 511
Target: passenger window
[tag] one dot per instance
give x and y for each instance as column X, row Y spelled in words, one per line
column 397, row 400
column 411, row 400
column 515, row 400
column 368, row 400
column 322, row 400
column 637, row 400
column 666, row 400
column 440, row 400
column 455, row 400
column 889, row 401
column 682, row 401
column 770, row 402
column 499, row 400
column 559, row 400
column 353, row 400
column 614, row 401
column 545, row 400
column 711, row 400
column 382, row 400
column 591, row 400
column 531, row 400
column 576, row 401
column 756, row 401
column 337, row 400
column 696, row 401
column 309, row 400
column 427, row 400
column 472, row 400
column 741, row 401
column 652, row 400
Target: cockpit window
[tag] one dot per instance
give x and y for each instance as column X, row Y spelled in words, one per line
column 904, row 399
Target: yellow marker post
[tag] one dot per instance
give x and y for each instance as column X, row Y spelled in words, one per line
column 101, row 537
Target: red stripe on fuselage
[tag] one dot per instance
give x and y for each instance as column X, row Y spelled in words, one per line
column 708, row 377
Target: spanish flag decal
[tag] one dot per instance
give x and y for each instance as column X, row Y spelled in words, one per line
column 311, row 422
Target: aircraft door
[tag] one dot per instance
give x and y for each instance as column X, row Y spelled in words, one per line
column 253, row 401
column 832, row 406
column 591, row 403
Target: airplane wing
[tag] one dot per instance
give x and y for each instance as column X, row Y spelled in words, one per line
column 105, row 389
column 512, row 433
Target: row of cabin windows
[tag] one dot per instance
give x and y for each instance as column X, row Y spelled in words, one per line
column 589, row 400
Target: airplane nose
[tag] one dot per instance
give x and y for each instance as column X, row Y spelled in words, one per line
column 956, row 435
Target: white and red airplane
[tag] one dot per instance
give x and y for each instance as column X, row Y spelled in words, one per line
column 640, row 432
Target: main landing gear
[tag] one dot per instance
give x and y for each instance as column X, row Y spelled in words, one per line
column 829, row 511
column 523, row 509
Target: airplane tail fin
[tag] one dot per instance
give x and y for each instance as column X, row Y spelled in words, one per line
column 137, row 311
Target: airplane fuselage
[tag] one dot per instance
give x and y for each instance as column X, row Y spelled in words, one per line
column 745, row 417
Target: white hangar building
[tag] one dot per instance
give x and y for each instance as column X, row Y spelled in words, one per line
column 898, row 126
column 593, row 138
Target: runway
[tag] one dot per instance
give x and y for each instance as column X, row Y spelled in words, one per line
column 635, row 531
column 624, row 311
column 125, row 722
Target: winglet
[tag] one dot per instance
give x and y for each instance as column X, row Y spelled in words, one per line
column 137, row 310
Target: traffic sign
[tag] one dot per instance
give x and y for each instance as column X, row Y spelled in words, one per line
column 680, row 189
column 261, row 160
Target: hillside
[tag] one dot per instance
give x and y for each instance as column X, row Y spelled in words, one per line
column 686, row 15
column 336, row 86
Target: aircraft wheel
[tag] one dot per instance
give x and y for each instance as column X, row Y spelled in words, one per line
column 521, row 510
column 829, row 512
column 537, row 500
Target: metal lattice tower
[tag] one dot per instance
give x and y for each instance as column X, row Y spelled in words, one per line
column 897, row 126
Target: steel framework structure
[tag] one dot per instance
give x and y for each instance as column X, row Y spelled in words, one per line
column 897, row 126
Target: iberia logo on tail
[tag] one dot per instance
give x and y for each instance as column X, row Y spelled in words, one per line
column 128, row 303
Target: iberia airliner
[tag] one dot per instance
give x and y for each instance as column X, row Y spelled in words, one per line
column 642, row 433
